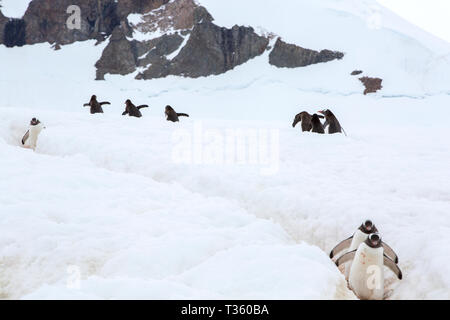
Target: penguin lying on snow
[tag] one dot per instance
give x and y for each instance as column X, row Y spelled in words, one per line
column 132, row 110
column 366, row 277
column 29, row 140
column 172, row 115
column 96, row 107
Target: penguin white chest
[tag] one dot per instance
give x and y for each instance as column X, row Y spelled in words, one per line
column 366, row 276
column 33, row 135
column 358, row 238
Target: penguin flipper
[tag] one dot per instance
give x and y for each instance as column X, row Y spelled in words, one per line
column 346, row 258
column 86, row 105
column 124, row 113
column 105, row 102
column 341, row 246
column 393, row 266
column 182, row 115
column 390, row 252
column 325, row 125
column 25, row 137
column 143, row 106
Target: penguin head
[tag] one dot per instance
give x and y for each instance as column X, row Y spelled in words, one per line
column 128, row 102
column 326, row 112
column 169, row 108
column 94, row 97
column 374, row 240
column 34, row 122
column 368, row 227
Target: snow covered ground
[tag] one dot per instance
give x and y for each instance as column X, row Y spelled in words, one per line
column 110, row 200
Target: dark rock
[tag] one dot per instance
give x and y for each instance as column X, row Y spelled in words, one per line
column 356, row 72
column 3, row 22
column 212, row 50
column 161, row 47
column 14, row 33
column 46, row 20
column 286, row 55
column 119, row 57
column 372, row 84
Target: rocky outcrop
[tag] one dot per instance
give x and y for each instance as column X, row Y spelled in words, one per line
column 153, row 38
column 45, row 20
column 372, row 84
column 3, row 21
column 211, row 50
column 176, row 15
column 14, row 32
column 356, row 72
column 286, row 55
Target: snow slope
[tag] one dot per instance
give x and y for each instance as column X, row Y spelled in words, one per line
column 106, row 198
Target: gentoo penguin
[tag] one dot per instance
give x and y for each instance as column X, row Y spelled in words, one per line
column 29, row 140
column 353, row 242
column 172, row 115
column 305, row 118
column 96, row 107
column 132, row 110
column 317, row 125
column 332, row 121
column 366, row 277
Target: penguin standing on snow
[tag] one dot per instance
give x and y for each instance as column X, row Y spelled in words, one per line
column 305, row 118
column 96, row 107
column 332, row 121
column 29, row 140
column 366, row 277
column 172, row 115
column 353, row 242
column 132, row 110
column 316, row 124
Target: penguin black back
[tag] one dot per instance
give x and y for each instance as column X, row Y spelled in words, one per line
column 172, row 115
column 132, row 110
column 305, row 118
column 316, row 124
column 96, row 107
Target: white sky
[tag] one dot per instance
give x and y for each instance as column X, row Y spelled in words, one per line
column 432, row 16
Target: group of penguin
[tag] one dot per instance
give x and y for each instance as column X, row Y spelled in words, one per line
column 365, row 252
column 132, row 110
column 29, row 140
column 364, row 258
column 312, row 123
